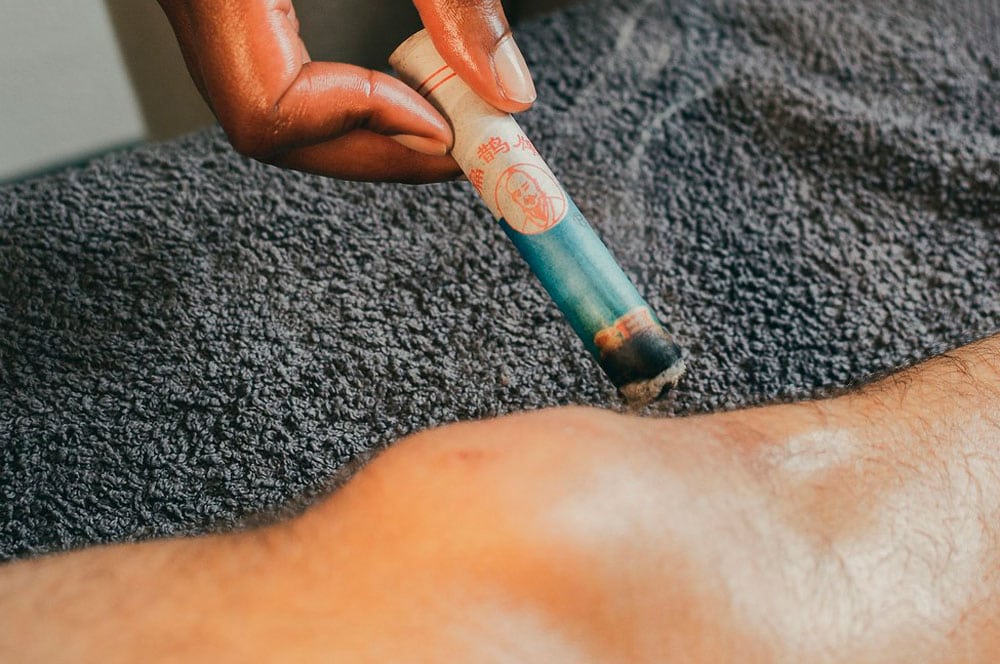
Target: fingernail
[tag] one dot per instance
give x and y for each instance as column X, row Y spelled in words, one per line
column 422, row 144
column 512, row 72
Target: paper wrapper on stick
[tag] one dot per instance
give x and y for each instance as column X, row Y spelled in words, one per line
column 600, row 302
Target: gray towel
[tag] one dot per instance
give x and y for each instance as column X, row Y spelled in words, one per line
column 807, row 193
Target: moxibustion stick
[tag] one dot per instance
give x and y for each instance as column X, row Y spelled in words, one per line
column 614, row 322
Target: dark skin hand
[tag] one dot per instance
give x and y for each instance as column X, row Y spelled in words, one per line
column 279, row 106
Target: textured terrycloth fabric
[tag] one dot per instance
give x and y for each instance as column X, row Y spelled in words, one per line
column 806, row 192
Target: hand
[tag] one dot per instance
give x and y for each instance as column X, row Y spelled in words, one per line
column 280, row 107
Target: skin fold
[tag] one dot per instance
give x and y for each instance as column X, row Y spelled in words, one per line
column 278, row 105
column 861, row 528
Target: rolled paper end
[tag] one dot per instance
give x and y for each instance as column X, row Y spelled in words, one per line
column 643, row 392
column 645, row 367
column 639, row 356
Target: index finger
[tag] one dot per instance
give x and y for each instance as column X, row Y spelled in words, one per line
column 268, row 95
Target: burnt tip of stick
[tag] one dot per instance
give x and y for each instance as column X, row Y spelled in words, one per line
column 645, row 366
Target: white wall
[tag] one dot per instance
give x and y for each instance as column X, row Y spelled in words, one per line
column 64, row 92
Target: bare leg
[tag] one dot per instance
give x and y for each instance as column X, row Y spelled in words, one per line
column 859, row 529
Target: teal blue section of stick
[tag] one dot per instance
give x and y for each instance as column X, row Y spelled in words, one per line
column 579, row 274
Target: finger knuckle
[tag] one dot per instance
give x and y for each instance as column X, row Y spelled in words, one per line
column 253, row 131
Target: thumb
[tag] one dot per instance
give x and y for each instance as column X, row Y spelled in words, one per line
column 474, row 38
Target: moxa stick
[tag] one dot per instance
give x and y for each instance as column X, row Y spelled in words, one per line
column 616, row 325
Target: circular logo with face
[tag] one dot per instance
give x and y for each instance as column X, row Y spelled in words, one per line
column 529, row 199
